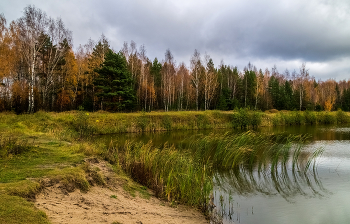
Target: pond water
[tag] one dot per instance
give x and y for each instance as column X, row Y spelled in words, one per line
column 322, row 195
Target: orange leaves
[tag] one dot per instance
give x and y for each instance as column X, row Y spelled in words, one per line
column 328, row 105
column 327, row 94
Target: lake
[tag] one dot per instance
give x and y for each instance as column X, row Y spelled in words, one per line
column 322, row 195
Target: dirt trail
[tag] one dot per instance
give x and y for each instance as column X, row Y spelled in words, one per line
column 97, row 206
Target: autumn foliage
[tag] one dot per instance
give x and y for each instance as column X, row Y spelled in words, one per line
column 40, row 70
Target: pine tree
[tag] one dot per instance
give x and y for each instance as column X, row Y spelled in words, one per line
column 114, row 84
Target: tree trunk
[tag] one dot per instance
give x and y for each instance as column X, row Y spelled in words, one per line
column 31, row 91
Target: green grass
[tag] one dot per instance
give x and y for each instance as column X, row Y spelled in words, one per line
column 24, row 188
column 38, row 162
column 44, row 154
column 309, row 118
column 54, row 145
column 16, row 210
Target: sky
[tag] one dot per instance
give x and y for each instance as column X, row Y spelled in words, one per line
column 285, row 33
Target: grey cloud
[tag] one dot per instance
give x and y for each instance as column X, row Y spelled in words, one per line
column 264, row 32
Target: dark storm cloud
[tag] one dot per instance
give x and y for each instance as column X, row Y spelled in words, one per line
column 285, row 33
column 307, row 30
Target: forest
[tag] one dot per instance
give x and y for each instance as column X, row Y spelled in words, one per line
column 40, row 70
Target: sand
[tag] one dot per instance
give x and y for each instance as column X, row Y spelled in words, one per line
column 97, row 205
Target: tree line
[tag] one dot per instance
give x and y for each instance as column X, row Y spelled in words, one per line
column 39, row 70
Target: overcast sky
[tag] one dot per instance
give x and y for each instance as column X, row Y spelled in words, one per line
column 265, row 33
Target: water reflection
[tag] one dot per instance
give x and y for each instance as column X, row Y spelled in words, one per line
column 319, row 196
column 317, row 132
column 281, row 195
column 296, row 176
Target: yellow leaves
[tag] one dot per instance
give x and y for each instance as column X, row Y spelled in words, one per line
column 328, row 94
column 71, row 68
column 328, row 105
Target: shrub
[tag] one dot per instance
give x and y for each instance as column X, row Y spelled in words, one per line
column 342, row 117
column 326, row 118
column 255, row 119
column 310, row 117
column 244, row 119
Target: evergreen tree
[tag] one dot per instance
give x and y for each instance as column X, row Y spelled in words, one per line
column 114, row 83
column 249, row 85
column 288, row 99
column 274, row 90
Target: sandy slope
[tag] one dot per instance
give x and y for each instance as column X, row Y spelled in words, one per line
column 97, row 206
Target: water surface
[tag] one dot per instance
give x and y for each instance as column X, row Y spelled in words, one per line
column 321, row 195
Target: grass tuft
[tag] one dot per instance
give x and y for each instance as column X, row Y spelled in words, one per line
column 16, row 210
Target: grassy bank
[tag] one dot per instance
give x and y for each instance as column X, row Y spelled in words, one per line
column 55, row 146
column 78, row 124
column 33, row 155
column 307, row 118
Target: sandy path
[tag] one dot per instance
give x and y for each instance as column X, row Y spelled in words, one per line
column 97, row 206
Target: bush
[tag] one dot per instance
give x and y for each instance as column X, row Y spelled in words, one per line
column 342, row 117
column 255, row 119
column 293, row 118
column 277, row 120
column 244, row 119
column 310, row 117
column 326, row 118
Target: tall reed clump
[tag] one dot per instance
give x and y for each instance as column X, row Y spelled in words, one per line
column 245, row 119
column 230, row 151
column 186, row 174
column 172, row 174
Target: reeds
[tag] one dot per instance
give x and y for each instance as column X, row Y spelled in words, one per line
column 186, row 174
column 172, row 174
column 310, row 117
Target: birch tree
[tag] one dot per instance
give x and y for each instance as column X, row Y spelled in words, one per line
column 30, row 27
column 59, row 41
column 302, row 77
column 210, row 82
column 195, row 73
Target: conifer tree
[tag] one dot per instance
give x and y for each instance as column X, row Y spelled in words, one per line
column 114, row 84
